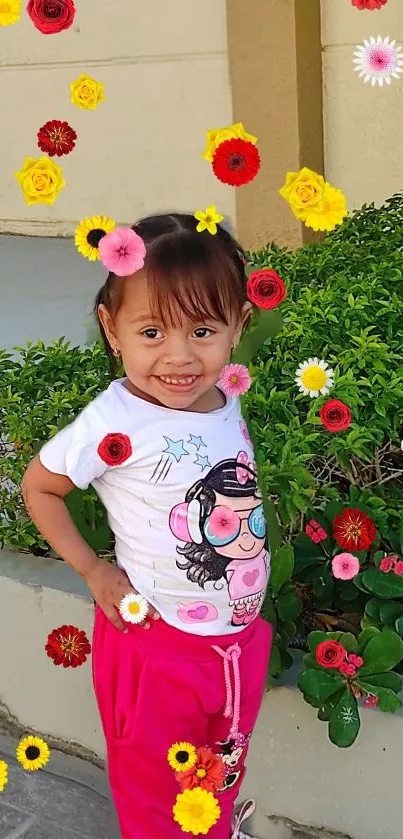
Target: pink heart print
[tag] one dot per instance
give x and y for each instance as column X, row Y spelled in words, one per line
column 198, row 614
column 250, row 577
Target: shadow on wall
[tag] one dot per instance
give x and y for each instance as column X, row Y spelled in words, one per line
column 46, row 290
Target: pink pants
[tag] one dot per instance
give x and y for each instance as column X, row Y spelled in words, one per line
column 160, row 686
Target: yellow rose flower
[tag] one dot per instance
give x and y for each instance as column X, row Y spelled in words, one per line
column 87, row 92
column 302, row 190
column 330, row 212
column 41, row 180
column 218, row 135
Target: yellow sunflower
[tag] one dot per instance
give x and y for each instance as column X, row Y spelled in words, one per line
column 196, row 811
column 3, row 774
column 32, row 753
column 89, row 233
column 182, row 756
column 10, row 11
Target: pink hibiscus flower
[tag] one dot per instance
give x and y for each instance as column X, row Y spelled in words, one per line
column 345, row 566
column 122, row 251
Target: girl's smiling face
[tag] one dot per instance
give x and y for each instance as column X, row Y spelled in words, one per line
column 247, row 544
column 173, row 364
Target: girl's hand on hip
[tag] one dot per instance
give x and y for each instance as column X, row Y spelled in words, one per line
column 109, row 584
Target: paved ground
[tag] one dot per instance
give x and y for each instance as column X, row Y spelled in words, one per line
column 66, row 800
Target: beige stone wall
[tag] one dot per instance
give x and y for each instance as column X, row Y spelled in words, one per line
column 363, row 125
column 165, row 71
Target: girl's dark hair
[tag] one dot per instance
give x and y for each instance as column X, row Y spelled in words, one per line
column 195, row 273
column 203, row 563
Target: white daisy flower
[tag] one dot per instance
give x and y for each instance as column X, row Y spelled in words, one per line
column 378, row 60
column 133, row 608
column 314, row 377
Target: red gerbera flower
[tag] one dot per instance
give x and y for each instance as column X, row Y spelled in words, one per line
column 207, row 773
column 114, row 449
column 68, row 646
column 56, row 137
column 236, row 162
column 354, row 530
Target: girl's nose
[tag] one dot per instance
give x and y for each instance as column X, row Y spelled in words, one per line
column 178, row 351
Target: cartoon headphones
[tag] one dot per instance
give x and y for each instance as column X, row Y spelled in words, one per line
column 184, row 520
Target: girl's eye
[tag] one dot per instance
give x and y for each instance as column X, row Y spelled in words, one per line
column 152, row 332
column 203, row 332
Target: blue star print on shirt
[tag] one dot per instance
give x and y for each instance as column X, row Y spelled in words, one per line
column 202, row 461
column 196, row 441
column 175, row 448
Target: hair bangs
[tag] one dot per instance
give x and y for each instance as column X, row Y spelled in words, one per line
column 187, row 277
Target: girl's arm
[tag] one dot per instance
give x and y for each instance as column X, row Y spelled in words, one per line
column 43, row 493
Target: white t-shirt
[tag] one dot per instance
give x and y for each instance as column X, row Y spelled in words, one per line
column 180, row 491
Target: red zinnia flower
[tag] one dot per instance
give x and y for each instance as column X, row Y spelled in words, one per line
column 354, row 530
column 51, row 16
column 265, row 288
column 114, row 449
column 330, row 654
column 368, row 4
column 68, row 646
column 236, row 162
column 56, row 137
column 335, row 415
column 207, row 773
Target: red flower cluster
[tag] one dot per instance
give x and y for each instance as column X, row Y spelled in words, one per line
column 68, row 646
column 56, row 137
column 332, row 655
column 391, row 562
column 315, row 531
column 236, row 162
column 354, row 530
column 368, row 4
column 335, row 415
column 51, row 16
column 265, row 288
column 114, row 449
column 207, row 773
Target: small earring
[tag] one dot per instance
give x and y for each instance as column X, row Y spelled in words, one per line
column 116, row 352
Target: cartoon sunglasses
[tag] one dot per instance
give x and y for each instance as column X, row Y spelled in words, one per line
column 224, row 525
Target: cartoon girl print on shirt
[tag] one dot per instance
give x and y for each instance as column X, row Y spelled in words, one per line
column 222, row 525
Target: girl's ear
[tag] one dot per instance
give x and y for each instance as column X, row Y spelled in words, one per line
column 245, row 315
column 108, row 326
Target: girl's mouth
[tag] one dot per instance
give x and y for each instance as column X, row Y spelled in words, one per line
column 178, row 383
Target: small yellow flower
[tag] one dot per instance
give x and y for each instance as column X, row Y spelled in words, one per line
column 89, row 233
column 218, row 135
column 331, row 211
column 86, row 92
column 40, row 179
column 303, row 190
column 208, row 220
column 196, row 811
column 32, row 753
column 3, row 765
column 182, row 756
column 10, row 11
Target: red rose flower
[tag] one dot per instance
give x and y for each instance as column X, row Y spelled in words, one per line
column 354, row 530
column 56, row 137
column 51, row 16
column 236, row 162
column 207, row 773
column 368, row 4
column 114, row 449
column 265, row 288
column 335, row 415
column 330, row 654
column 68, row 646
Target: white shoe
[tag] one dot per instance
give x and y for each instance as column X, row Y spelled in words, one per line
column 244, row 812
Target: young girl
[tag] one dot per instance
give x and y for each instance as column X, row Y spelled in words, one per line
column 171, row 459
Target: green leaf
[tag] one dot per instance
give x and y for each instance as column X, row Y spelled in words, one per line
column 390, row 613
column 275, row 666
column 399, row 627
column 319, row 685
column 365, row 637
column 372, row 608
column 387, row 586
column 270, row 323
column 281, row 567
column 382, row 653
column 344, row 723
column 326, row 710
column 390, row 680
column 289, row 607
column 388, row 701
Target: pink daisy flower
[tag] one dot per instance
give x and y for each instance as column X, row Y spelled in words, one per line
column 378, row 60
column 223, row 522
column 345, row 566
column 122, row 251
column 235, row 379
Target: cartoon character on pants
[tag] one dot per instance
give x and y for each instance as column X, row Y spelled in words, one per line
column 224, row 530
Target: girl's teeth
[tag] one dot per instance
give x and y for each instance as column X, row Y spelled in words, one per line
column 173, row 381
